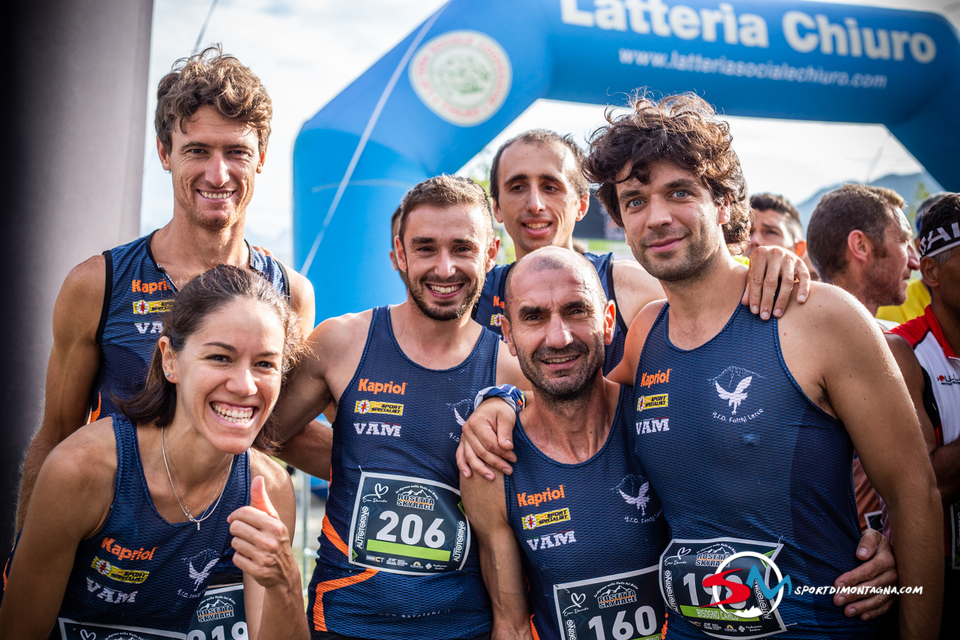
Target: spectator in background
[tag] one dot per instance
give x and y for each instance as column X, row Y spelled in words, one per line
column 918, row 297
column 926, row 349
column 859, row 240
column 775, row 222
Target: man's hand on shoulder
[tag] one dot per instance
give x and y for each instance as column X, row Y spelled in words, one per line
column 770, row 268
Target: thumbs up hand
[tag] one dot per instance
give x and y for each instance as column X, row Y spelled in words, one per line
column 262, row 541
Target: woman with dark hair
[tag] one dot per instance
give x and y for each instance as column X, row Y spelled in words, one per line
column 131, row 513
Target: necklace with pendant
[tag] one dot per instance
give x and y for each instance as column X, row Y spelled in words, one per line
column 209, row 510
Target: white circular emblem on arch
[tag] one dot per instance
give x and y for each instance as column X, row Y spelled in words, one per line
column 462, row 76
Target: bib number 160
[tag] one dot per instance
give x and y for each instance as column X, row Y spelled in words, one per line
column 644, row 618
column 411, row 530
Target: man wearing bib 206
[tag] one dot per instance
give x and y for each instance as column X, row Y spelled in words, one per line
column 396, row 555
column 750, row 448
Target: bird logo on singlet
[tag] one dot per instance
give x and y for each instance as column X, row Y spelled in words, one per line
column 728, row 378
column 203, row 574
column 641, row 500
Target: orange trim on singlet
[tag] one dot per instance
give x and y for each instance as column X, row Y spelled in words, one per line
column 334, row 537
column 319, row 620
column 533, row 629
column 663, row 631
column 96, row 412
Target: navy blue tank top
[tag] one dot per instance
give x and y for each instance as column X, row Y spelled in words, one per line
column 591, row 535
column 489, row 308
column 137, row 294
column 744, row 461
column 396, row 554
column 140, row 570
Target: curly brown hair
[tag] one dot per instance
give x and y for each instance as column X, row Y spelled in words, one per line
column 215, row 79
column 683, row 130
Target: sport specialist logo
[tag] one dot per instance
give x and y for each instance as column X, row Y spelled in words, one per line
column 740, row 591
column 462, row 76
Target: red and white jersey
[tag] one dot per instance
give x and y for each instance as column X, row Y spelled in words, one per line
column 941, row 364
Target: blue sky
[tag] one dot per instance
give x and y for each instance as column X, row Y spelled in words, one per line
column 307, row 51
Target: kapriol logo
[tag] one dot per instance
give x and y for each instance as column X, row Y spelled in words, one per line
column 462, row 76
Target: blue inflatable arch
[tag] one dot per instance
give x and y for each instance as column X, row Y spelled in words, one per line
column 436, row 99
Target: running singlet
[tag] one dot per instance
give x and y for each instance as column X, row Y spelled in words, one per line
column 591, row 535
column 489, row 308
column 396, row 554
column 139, row 570
column 942, row 382
column 745, row 462
column 137, row 294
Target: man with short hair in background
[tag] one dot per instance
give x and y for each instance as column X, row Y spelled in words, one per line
column 860, row 241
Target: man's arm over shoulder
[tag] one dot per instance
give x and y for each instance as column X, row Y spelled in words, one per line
column 832, row 343
column 500, row 558
column 634, row 288
column 72, row 368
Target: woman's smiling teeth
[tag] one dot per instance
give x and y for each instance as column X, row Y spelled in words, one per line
column 240, row 415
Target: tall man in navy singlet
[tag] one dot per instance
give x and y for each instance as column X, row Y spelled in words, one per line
column 106, row 320
column 585, row 522
column 397, row 558
column 751, row 450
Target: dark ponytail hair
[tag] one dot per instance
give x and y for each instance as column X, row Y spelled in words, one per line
column 205, row 294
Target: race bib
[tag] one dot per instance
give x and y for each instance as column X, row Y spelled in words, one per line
column 220, row 615
column 408, row 525
column 73, row 630
column 626, row 605
column 698, row 575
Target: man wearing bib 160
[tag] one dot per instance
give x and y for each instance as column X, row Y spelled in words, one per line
column 750, row 448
